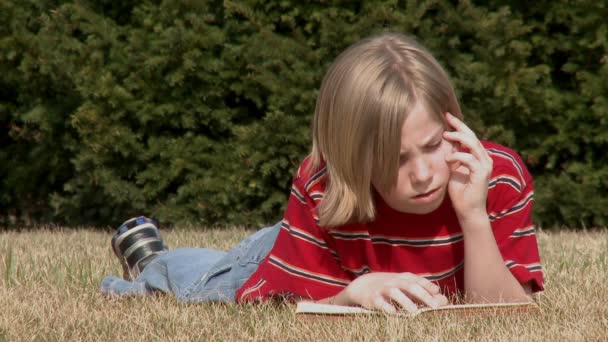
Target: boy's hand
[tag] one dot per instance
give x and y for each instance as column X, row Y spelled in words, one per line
column 471, row 167
column 390, row 292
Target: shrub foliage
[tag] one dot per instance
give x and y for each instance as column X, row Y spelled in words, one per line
column 199, row 111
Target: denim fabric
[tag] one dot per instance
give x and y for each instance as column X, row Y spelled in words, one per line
column 199, row 274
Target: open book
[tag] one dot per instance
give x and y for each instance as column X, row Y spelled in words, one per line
column 485, row 310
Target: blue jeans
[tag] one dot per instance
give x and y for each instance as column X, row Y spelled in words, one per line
column 199, row 274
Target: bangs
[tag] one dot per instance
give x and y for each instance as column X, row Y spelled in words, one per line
column 433, row 87
column 436, row 99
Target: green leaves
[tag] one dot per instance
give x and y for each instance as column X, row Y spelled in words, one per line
column 200, row 111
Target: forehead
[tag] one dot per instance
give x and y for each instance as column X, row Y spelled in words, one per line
column 420, row 127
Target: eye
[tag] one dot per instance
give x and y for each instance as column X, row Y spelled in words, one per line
column 433, row 146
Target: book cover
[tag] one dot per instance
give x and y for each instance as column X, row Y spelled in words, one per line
column 490, row 309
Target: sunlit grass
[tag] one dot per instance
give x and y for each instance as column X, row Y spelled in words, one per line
column 49, row 290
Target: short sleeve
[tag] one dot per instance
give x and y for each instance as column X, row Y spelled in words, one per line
column 301, row 262
column 510, row 200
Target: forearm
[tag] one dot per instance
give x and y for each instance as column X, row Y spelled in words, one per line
column 486, row 277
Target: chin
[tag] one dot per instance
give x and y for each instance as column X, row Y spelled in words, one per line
column 428, row 208
column 423, row 210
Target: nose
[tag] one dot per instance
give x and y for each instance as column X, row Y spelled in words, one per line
column 421, row 171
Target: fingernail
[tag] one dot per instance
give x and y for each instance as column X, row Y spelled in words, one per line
column 389, row 308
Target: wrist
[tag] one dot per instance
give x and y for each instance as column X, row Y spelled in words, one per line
column 474, row 220
column 351, row 294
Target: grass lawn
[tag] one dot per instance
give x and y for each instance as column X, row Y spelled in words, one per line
column 49, row 290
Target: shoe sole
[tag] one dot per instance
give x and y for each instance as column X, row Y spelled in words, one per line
column 143, row 231
column 144, row 244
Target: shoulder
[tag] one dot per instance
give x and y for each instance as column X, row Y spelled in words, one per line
column 508, row 165
column 310, row 181
column 510, row 187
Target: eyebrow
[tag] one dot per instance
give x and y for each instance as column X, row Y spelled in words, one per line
column 428, row 140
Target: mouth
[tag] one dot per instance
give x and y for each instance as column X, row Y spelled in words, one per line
column 426, row 195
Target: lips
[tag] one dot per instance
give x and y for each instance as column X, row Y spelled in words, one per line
column 426, row 194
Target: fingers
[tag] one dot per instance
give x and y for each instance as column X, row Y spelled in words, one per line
column 381, row 304
column 428, row 285
column 420, row 294
column 441, row 300
column 431, row 287
column 390, row 292
column 469, row 142
column 397, row 296
column 466, row 159
column 458, row 124
column 475, row 168
column 420, row 290
column 462, row 134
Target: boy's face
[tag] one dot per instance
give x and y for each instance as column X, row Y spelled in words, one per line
column 423, row 172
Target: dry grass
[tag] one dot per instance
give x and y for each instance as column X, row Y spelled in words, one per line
column 49, row 290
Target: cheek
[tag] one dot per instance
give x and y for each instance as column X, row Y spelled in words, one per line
column 402, row 185
column 401, row 180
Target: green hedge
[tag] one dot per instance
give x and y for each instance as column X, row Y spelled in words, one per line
column 199, row 111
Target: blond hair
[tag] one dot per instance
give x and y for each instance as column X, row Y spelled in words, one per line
column 364, row 99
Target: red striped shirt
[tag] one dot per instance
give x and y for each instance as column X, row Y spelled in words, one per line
column 316, row 263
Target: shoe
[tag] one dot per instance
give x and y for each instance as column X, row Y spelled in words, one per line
column 137, row 242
